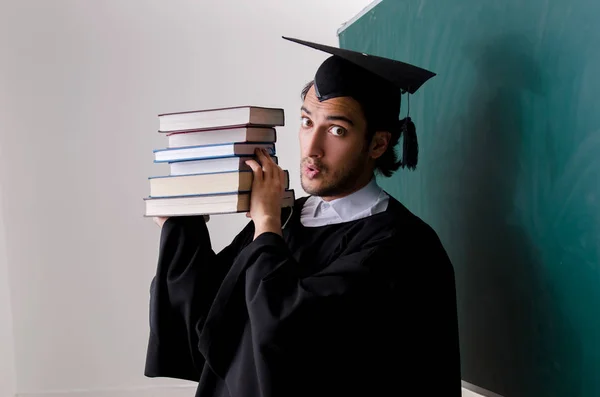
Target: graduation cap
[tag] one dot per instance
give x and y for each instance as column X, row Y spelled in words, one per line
column 377, row 83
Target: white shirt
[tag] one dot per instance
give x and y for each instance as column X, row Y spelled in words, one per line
column 369, row 200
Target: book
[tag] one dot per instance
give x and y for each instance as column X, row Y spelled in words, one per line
column 206, row 166
column 206, row 151
column 216, row 183
column 206, row 204
column 216, row 137
column 236, row 116
column 211, row 151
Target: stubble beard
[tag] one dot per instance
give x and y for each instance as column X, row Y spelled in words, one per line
column 339, row 183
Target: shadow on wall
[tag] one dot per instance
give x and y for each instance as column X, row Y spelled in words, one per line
column 508, row 315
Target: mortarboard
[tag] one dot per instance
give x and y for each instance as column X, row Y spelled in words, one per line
column 377, row 83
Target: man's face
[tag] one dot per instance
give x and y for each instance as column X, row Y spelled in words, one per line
column 336, row 159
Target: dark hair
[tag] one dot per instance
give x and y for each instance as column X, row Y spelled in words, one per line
column 388, row 162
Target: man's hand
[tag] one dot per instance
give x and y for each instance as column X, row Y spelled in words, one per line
column 267, row 193
column 160, row 220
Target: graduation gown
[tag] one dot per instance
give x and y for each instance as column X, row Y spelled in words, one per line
column 363, row 308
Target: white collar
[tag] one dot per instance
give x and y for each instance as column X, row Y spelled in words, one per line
column 355, row 203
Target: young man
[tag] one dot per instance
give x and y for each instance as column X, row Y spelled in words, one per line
column 355, row 295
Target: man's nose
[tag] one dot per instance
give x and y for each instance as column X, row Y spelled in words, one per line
column 315, row 143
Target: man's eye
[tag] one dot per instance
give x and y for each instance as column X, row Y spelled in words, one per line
column 337, row 130
column 305, row 122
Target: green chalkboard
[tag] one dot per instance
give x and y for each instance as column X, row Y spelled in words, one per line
column 509, row 176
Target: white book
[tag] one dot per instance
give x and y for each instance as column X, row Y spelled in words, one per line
column 206, row 204
column 222, row 136
column 211, row 151
column 190, row 185
column 219, row 118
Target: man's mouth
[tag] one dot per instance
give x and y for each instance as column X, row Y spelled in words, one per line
column 311, row 170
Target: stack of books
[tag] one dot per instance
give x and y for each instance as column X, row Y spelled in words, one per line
column 206, row 151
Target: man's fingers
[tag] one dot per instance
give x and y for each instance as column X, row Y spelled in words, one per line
column 253, row 164
column 261, row 154
column 256, row 168
column 266, row 163
column 282, row 178
column 265, row 158
column 159, row 220
column 270, row 168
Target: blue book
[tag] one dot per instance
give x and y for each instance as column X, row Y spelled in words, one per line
column 211, row 151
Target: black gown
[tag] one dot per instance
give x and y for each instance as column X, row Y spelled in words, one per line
column 365, row 308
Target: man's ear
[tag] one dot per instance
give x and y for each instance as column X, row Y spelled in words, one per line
column 379, row 143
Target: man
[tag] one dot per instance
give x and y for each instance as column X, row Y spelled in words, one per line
column 347, row 294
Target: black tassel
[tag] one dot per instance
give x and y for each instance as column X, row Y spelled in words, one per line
column 410, row 146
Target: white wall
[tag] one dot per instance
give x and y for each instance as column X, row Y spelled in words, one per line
column 82, row 83
column 7, row 358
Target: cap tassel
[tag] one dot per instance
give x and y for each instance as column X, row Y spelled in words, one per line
column 410, row 146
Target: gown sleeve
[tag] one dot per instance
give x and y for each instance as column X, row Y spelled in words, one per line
column 188, row 276
column 366, row 323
